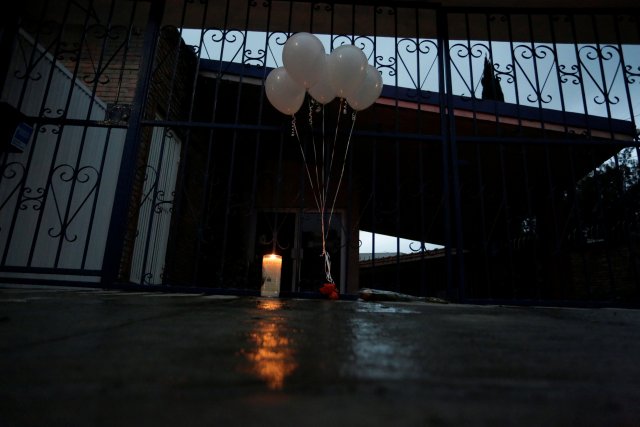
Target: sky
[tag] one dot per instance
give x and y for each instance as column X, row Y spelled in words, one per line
column 384, row 243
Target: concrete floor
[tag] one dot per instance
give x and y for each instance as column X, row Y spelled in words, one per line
column 80, row 357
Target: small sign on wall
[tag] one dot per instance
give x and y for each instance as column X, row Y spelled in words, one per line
column 21, row 136
column 15, row 132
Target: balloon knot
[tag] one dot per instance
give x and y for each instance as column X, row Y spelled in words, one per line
column 330, row 291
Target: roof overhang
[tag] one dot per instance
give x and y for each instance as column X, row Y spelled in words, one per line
column 483, row 111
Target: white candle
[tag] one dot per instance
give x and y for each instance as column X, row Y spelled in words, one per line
column 271, row 267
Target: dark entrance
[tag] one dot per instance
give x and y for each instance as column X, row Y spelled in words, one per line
column 297, row 237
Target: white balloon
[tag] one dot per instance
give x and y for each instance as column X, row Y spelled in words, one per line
column 322, row 91
column 283, row 92
column 346, row 67
column 303, row 57
column 369, row 90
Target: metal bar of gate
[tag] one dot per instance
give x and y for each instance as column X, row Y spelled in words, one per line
column 118, row 225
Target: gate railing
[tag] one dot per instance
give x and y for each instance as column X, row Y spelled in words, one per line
column 501, row 157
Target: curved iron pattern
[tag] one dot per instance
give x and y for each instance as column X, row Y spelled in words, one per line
column 386, row 65
column 327, row 7
column 160, row 202
column 425, row 54
column 236, row 46
column 569, row 74
column 154, row 195
column 48, row 112
column 534, row 71
column 150, row 175
column 421, row 248
column 157, row 200
column 599, row 55
column 230, row 46
column 28, row 198
column 65, row 176
column 280, row 39
column 465, row 70
column 275, row 241
column 147, row 278
column 340, row 40
column 118, row 34
column 68, row 51
column 367, row 44
column 380, row 10
column 630, row 75
column 227, row 39
column 534, row 55
column 12, row 177
column 48, row 29
column 250, row 58
column 98, row 50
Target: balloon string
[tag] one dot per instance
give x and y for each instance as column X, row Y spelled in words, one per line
column 323, row 143
column 313, row 139
column 325, row 233
column 333, row 150
column 294, row 130
column 325, row 191
column 323, row 168
column 344, row 162
column 321, row 194
column 324, row 241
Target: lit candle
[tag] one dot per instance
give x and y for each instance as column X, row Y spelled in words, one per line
column 271, row 267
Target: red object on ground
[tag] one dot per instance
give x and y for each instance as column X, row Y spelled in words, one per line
column 329, row 289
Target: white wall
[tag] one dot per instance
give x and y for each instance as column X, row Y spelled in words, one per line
column 93, row 154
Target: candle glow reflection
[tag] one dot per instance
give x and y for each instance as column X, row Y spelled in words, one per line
column 271, row 355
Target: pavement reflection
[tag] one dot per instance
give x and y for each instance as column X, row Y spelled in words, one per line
column 379, row 348
column 270, row 350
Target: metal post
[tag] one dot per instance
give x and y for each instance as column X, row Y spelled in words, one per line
column 119, row 217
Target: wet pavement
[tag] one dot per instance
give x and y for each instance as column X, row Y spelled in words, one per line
column 83, row 357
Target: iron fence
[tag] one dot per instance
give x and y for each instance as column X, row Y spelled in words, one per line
column 500, row 162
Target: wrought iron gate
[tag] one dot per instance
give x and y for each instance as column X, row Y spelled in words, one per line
column 501, row 156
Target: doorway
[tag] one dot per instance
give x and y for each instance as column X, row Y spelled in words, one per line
column 297, row 237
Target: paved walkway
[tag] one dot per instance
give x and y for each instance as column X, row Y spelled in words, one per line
column 79, row 357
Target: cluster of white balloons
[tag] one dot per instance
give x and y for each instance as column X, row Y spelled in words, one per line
column 344, row 73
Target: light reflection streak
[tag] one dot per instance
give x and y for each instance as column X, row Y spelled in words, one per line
column 378, row 349
column 270, row 304
column 270, row 352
